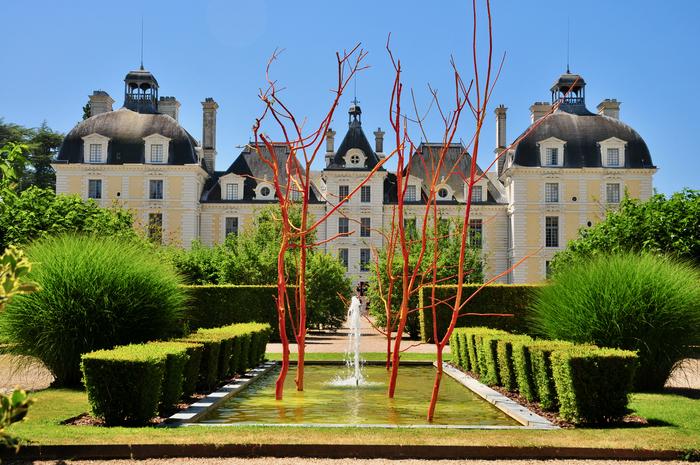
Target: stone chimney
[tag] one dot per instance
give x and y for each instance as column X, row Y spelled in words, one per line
column 330, row 145
column 609, row 107
column 379, row 142
column 100, row 102
column 501, row 139
column 539, row 110
column 209, row 107
column 169, row 106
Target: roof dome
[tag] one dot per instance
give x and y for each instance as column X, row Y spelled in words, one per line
column 126, row 129
column 582, row 131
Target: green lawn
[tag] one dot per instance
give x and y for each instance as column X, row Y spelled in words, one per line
column 675, row 424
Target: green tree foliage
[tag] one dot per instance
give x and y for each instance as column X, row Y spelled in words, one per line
column 41, row 143
column 86, row 111
column 251, row 258
column 36, row 213
column 646, row 303
column 659, row 225
column 446, row 264
column 96, row 292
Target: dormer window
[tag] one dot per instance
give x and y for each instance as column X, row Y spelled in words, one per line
column 231, row 191
column 477, row 194
column 95, row 148
column 264, row 191
column 551, row 152
column 95, row 153
column 444, row 192
column 157, row 153
column 612, row 152
column 355, row 158
column 410, row 193
column 156, row 148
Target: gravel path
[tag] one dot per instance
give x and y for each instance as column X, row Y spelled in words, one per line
column 294, row 461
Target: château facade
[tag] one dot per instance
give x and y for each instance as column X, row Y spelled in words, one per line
column 563, row 174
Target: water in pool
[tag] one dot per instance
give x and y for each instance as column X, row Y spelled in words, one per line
column 325, row 402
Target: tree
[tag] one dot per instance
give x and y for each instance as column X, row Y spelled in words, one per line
column 447, row 259
column 36, row 212
column 659, row 225
column 41, row 144
column 86, row 111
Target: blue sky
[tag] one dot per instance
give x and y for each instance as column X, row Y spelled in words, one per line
column 642, row 52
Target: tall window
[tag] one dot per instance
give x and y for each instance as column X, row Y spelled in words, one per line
column 95, row 189
column 296, row 195
column 343, row 256
column 155, row 191
column 547, row 269
column 343, row 191
column 552, row 156
column 157, row 153
column 364, row 227
column 409, row 225
column 155, row 227
column 477, row 194
column 95, row 153
column 232, row 226
column 612, row 193
column 410, row 193
column 551, row 231
column 231, row 191
column 364, row 259
column 365, row 194
column 476, row 231
column 343, row 225
column 551, row 192
column 613, row 157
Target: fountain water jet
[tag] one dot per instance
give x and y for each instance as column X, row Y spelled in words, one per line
column 352, row 354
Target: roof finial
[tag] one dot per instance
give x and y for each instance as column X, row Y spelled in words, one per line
column 141, row 41
column 568, row 34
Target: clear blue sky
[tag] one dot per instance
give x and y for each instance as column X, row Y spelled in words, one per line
column 642, row 52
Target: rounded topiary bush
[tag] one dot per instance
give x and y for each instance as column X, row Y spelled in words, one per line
column 650, row 304
column 95, row 293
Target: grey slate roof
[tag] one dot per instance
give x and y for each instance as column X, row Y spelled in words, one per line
column 582, row 131
column 424, row 161
column 249, row 165
column 354, row 138
column 126, row 130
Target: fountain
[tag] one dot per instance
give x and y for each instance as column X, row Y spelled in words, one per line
column 352, row 353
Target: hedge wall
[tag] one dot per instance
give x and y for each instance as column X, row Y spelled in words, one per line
column 585, row 383
column 494, row 298
column 213, row 306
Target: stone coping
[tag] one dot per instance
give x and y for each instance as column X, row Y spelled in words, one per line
column 508, row 406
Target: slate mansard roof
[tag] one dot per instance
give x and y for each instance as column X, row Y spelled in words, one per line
column 582, row 132
column 249, row 166
column 424, row 161
column 126, row 130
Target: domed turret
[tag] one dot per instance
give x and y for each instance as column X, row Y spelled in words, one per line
column 141, row 91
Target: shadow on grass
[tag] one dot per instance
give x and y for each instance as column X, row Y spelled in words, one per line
column 690, row 393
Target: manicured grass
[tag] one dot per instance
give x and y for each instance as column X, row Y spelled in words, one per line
column 368, row 356
column 675, row 424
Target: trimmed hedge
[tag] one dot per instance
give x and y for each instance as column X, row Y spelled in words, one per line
column 494, row 298
column 127, row 384
column 593, row 384
column 540, row 357
column 506, row 368
column 213, row 306
column 588, row 384
column 124, row 385
column 181, row 370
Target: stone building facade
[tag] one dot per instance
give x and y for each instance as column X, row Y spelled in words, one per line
column 561, row 175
